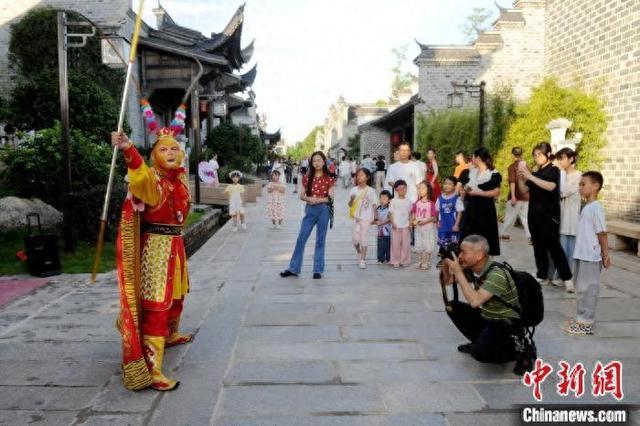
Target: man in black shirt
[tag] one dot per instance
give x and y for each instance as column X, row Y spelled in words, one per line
column 380, row 173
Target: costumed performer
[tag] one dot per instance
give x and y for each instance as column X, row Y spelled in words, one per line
column 152, row 264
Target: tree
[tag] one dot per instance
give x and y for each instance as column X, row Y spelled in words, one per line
column 549, row 101
column 35, row 99
column 501, row 114
column 401, row 79
column 477, row 21
column 36, row 169
column 35, row 104
column 353, row 146
column 306, row 147
column 237, row 147
column 33, row 48
column 448, row 131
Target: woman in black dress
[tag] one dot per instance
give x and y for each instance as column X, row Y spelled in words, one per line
column 483, row 188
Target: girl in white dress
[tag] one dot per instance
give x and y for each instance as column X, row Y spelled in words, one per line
column 236, row 207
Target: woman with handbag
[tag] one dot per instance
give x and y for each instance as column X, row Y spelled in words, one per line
column 317, row 193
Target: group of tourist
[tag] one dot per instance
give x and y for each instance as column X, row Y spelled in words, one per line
column 418, row 208
column 412, row 205
column 376, row 166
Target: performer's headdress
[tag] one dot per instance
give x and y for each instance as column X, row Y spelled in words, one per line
column 235, row 173
column 176, row 127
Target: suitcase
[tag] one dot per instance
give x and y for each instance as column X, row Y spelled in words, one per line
column 43, row 259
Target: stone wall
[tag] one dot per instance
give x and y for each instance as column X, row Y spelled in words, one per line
column 435, row 83
column 511, row 53
column 374, row 141
column 595, row 44
column 519, row 62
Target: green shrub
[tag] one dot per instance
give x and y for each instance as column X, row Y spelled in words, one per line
column 549, row 101
column 448, row 131
column 501, row 113
column 33, row 47
column 35, row 104
column 304, row 148
column 36, row 169
column 236, row 148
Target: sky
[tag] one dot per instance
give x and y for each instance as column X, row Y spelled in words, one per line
column 309, row 52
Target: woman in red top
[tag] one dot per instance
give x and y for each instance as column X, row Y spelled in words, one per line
column 318, row 189
column 432, row 173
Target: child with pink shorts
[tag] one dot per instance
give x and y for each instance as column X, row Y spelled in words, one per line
column 362, row 207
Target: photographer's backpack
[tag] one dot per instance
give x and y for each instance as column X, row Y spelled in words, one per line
column 531, row 312
column 529, row 296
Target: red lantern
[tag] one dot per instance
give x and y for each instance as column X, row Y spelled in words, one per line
column 204, row 106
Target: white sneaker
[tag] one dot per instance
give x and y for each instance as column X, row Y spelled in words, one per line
column 558, row 282
column 235, row 229
column 278, row 226
column 569, row 287
column 244, row 226
column 363, row 264
column 273, row 226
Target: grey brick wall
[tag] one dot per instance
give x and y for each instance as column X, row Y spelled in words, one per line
column 375, row 141
column 595, row 44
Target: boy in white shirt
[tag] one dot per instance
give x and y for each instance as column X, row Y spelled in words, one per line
column 591, row 253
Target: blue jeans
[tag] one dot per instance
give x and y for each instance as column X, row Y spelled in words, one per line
column 384, row 248
column 316, row 215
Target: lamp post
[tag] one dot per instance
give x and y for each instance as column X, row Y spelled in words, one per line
column 455, row 100
column 63, row 45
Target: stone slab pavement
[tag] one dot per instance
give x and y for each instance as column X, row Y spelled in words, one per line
column 370, row 347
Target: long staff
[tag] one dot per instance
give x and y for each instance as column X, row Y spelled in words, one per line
column 114, row 156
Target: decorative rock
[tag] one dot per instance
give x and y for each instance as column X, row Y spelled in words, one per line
column 14, row 210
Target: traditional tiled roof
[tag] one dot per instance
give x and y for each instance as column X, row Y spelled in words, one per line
column 404, row 111
column 273, row 138
column 436, row 53
column 175, row 49
column 247, row 52
column 489, row 37
column 508, row 16
column 221, row 49
column 250, row 76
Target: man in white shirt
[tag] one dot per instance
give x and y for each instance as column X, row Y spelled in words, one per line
column 368, row 163
column 344, row 171
column 407, row 170
column 422, row 166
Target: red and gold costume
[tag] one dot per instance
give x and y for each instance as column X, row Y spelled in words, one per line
column 152, row 264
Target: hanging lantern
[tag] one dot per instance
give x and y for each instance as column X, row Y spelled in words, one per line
column 204, row 105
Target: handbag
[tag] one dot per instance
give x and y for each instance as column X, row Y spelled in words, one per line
column 356, row 203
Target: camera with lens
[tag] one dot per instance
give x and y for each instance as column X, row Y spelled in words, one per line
column 448, row 249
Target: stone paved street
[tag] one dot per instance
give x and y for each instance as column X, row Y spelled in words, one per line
column 358, row 347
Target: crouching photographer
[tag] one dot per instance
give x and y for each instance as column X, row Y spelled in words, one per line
column 491, row 318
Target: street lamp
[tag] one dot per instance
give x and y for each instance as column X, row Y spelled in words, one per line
column 455, row 100
column 64, row 42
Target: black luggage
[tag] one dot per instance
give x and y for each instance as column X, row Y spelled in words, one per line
column 43, row 259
